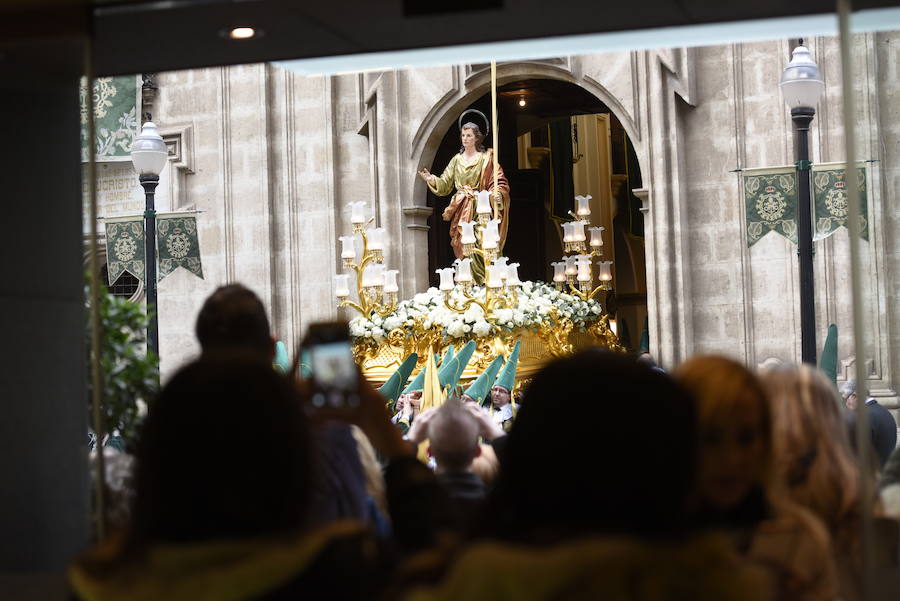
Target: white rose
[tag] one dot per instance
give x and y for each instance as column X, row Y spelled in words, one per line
column 481, row 328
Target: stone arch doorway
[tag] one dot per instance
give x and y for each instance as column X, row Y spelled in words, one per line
column 563, row 141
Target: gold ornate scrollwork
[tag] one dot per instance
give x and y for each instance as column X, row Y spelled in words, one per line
column 486, row 351
column 396, row 337
column 604, row 336
column 555, row 334
column 363, row 351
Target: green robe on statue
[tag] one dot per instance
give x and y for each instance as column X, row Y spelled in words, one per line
column 468, row 180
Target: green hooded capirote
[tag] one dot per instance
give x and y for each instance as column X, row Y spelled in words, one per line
column 419, row 381
column 479, row 390
column 451, row 369
column 281, row 361
column 828, row 362
column 644, row 346
column 390, row 390
column 507, row 377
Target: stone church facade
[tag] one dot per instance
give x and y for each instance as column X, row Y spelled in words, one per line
column 272, row 158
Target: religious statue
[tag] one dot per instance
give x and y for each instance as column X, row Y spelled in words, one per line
column 469, row 172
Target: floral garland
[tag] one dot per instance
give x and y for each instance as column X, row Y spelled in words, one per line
column 537, row 301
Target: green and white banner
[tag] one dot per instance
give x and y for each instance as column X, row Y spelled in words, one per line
column 117, row 104
column 770, row 195
column 832, row 206
column 124, row 248
column 177, row 244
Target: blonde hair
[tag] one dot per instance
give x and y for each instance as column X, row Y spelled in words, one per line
column 814, row 459
column 720, row 385
column 375, row 486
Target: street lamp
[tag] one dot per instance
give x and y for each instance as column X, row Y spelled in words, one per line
column 802, row 87
column 149, row 156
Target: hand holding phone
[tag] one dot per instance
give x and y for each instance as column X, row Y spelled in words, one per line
column 334, row 376
column 337, row 389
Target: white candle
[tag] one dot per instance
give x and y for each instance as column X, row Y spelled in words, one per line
column 571, row 268
column 348, row 251
column 584, row 205
column 376, row 238
column 342, row 285
column 512, row 275
column 493, row 278
column 373, row 275
column 358, row 211
column 468, row 232
column 604, row 271
column 464, row 271
column 596, row 236
column 390, row 280
column 499, row 267
column 490, row 235
column 446, row 278
column 483, row 205
column 578, row 231
column 583, row 263
column 559, row 271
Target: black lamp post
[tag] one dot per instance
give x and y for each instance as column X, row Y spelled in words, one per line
column 149, row 156
column 802, row 87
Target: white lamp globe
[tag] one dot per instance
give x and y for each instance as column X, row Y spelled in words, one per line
column 801, row 83
column 148, row 153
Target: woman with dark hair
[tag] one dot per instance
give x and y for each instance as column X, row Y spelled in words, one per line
column 223, row 489
column 737, row 490
column 469, row 172
column 592, row 497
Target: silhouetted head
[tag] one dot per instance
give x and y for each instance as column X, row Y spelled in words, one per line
column 601, row 444
column 849, row 394
column 735, row 475
column 453, row 437
column 233, row 318
column 813, row 457
column 224, row 453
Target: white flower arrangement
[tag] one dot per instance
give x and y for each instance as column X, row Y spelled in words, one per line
column 535, row 307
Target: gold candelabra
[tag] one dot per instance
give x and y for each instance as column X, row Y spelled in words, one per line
column 376, row 287
column 501, row 281
column 575, row 271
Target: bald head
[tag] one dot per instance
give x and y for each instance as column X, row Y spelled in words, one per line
column 453, row 437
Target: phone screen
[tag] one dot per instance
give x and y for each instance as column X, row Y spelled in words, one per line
column 334, row 374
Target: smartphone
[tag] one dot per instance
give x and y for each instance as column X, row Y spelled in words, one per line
column 334, row 376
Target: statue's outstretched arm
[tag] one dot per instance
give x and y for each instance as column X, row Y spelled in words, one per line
column 443, row 185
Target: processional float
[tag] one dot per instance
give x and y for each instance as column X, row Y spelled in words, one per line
column 547, row 320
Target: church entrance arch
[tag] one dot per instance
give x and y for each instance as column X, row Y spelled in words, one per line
column 557, row 139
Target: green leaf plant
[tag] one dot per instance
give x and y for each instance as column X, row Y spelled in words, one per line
column 129, row 370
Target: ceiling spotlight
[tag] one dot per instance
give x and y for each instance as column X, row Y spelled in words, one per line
column 242, row 33
column 522, row 101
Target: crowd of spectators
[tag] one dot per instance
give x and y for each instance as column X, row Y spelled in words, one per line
column 616, row 480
